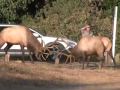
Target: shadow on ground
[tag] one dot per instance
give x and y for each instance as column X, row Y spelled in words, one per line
column 22, row 84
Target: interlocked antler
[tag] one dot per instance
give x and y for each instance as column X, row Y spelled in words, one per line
column 49, row 50
column 55, row 45
column 43, row 53
column 64, row 52
column 52, row 49
column 68, row 54
column 46, row 53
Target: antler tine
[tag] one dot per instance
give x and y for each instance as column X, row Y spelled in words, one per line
column 68, row 51
column 56, row 40
column 46, row 53
column 42, row 42
column 62, row 53
column 53, row 43
column 71, row 56
column 62, row 40
column 68, row 57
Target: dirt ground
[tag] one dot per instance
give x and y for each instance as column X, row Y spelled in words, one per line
column 47, row 76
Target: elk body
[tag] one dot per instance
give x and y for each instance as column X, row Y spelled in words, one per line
column 20, row 35
column 86, row 31
column 88, row 46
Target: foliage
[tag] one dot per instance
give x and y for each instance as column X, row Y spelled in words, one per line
column 16, row 10
column 10, row 9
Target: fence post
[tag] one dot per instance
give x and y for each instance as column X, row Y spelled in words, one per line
column 114, row 31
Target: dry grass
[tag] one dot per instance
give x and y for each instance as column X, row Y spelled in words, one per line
column 43, row 74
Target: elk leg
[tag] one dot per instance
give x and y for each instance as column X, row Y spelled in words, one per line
column 101, row 64
column 84, row 58
column 88, row 60
column 30, row 54
column 23, row 53
column 106, row 57
column 101, row 59
column 7, row 56
column 114, row 62
column 1, row 43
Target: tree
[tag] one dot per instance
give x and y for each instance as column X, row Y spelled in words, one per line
column 15, row 10
column 12, row 10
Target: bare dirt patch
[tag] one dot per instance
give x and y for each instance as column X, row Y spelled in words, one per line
column 46, row 76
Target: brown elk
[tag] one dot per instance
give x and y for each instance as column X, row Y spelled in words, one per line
column 106, row 42
column 20, row 35
column 88, row 46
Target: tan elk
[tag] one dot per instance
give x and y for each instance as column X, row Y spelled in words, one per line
column 88, row 46
column 20, row 35
column 86, row 31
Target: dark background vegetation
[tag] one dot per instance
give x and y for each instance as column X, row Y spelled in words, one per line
column 62, row 17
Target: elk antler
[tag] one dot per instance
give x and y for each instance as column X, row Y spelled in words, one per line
column 42, row 42
column 46, row 52
column 51, row 49
column 68, row 55
column 62, row 40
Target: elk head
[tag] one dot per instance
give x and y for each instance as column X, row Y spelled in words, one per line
column 85, row 31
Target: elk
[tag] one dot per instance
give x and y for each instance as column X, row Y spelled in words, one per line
column 88, row 46
column 20, row 35
column 105, row 40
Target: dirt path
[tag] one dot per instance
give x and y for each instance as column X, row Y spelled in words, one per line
column 44, row 76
